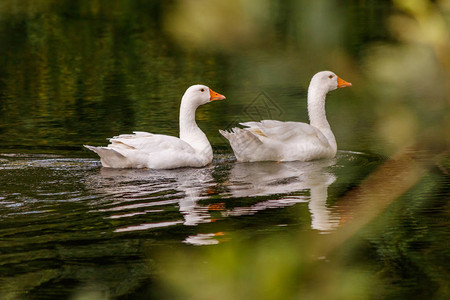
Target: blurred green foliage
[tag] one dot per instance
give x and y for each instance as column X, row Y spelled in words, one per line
column 74, row 72
column 403, row 82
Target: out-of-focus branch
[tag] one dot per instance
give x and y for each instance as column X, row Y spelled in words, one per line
column 389, row 182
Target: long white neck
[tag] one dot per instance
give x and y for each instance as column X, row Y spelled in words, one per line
column 316, row 112
column 189, row 130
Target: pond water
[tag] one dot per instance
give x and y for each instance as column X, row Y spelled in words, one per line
column 48, row 187
column 74, row 74
column 66, row 221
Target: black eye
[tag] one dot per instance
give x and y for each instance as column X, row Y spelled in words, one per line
column 331, row 76
column 202, row 90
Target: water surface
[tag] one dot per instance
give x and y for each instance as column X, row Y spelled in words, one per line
column 68, row 221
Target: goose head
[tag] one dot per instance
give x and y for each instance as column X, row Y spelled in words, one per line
column 200, row 94
column 328, row 81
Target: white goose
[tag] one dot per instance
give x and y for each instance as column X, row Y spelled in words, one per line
column 156, row 151
column 271, row 140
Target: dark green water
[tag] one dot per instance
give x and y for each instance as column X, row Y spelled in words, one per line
column 74, row 73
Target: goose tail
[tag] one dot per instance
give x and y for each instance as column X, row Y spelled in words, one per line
column 243, row 142
column 109, row 157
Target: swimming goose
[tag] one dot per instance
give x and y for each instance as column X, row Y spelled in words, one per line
column 156, row 151
column 271, row 140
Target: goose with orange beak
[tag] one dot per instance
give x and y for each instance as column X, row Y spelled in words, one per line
column 156, row 151
column 271, row 140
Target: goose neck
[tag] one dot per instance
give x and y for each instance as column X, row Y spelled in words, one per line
column 316, row 107
column 190, row 132
column 317, row 115
column 187, row 119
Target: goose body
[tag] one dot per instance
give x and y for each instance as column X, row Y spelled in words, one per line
column 156, row 151
column 271, row 140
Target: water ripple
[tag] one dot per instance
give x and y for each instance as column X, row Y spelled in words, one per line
column 138, row 200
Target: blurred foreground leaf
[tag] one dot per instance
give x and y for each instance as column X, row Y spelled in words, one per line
column 409, row 80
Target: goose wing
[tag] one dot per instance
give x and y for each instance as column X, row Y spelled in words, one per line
column 286, row 132
column 149, row 143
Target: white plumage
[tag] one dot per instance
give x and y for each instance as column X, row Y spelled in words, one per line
column 156, row 151
column 271, row 140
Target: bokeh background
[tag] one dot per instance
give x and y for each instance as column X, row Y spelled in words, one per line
column 77, row 72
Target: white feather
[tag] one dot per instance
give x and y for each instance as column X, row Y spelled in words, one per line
column 147, row 150
column 271, row 140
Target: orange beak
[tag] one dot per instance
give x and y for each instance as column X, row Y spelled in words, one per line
column 215, row 96
column 342, row 83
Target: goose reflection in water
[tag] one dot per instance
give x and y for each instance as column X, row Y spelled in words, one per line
column 137, row 189
column 288, row 178
column 144, row 199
